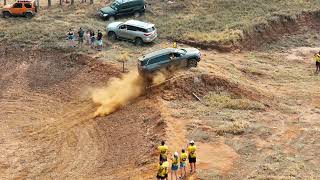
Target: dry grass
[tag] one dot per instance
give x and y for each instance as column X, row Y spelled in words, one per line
column 226, row 100
column 235, row 128
column 220, row 20
column 201, row 20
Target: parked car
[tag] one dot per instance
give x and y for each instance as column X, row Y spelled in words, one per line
column 168, row 58
column 122, row 7
column 137, row 31
column 27, row 8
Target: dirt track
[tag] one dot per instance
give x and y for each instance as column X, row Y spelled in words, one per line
column 47, row 129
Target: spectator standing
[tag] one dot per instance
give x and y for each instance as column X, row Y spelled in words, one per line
column 81, row 37
column 92, row 39
column 71, row 38
column 99, row 40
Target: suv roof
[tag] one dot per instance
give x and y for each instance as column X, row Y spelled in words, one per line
column 25, row 1
column 124, row 1
column 139, row 24
column 158, row 53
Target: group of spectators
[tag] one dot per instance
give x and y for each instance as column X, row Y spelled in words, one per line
column 93, row 40
column 177, row 161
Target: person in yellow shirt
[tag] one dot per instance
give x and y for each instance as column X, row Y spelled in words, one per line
column 192, row 156
column 161, row 174
column 174, row 45
column 317, row 59
column 183, row 163
column 163, row 151
column 166, row 167
column 175, row 165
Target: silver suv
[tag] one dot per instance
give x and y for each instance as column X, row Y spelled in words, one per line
column 137, row 31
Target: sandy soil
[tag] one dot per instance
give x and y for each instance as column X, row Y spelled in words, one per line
column 48, row 130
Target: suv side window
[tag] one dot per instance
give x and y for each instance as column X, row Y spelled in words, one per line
column 132, row 28
column 123, row 27
column 27, row 5
column 154, row 60
column 177, row 54
column 141, row 29
column 17, row 5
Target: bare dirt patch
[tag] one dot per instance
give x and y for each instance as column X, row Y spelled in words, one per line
column 48, row 130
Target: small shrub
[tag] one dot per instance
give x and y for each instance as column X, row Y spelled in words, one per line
column 235, row 128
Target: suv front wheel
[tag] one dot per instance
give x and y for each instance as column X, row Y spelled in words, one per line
column 6, row 14
column 192, row 63
column 112, row 36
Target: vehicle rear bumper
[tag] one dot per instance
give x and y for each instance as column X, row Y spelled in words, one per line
column 149, row 39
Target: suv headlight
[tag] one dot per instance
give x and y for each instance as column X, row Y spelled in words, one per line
column 105, row 15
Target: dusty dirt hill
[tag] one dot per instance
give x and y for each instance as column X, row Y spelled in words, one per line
column 257, row 117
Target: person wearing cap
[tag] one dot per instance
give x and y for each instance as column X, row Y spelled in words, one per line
column 192, row 156
column 183, row 163
column 163, row 151
column 174, row 165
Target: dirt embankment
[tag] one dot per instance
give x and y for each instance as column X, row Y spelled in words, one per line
column 47, row 125
column 275, row 27
column 200, row 85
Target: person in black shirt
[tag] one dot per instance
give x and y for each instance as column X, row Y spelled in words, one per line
column 70, row 36
column 81, row 36
column 99, row 40
column 93, row 38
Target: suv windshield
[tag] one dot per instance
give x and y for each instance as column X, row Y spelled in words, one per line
column 114, row 5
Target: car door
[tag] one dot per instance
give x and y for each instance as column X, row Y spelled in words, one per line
column 124, row 8
column 153, row 64
column 17, row 9
column 132, row 32
column 165, row 60
column 177, row 59
column 122, row 31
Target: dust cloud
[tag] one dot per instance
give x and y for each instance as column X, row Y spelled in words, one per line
column 159, row 78
column 118, row 93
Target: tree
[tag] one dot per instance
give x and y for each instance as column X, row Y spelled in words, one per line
column 91, row 1
column 72, row 2
column 4, row 2
column 61, row 2
column 49, row 3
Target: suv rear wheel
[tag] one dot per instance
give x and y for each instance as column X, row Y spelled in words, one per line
column 28, row 15
column 112, row 36
column 6, row 14
column 138, row 41
column 192, row 63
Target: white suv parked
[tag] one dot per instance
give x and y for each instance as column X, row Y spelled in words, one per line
column 137, row 31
